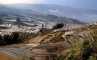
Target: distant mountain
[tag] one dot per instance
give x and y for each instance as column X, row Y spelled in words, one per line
column 86, row 15
column 9, row 12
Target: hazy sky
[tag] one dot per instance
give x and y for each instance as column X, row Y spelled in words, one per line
column 73, row 3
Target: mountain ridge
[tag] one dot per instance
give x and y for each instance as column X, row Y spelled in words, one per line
column 80, row 14
column 15, row 12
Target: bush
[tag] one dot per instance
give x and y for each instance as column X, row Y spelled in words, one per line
column 45, row 31
column 18, row 19
column 9, row 39
column 86, row 50
column 15, row 38
column 58, row 26
column 6, row 38
column 61, row 58
column 2, row 42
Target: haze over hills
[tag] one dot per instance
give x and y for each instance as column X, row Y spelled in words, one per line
column 13, row 11
column 86, row 15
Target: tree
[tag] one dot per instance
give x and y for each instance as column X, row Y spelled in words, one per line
column 6, row 39
column 2, row 41
column 15, row 37
column 58, row 26
column 1, row 21
column 11, row 39
column 18, row 19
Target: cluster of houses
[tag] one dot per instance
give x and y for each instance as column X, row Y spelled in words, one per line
column 9, row 28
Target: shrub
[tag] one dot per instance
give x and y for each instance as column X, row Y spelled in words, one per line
column 18, row 19
column 9, row 39
column 86, row 50
column 45, row 31
column 15, row 37
column 6, row 38
column 58, row 26
column 61, row 57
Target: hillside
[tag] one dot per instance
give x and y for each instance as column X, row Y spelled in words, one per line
column 60, row 44
column 12, row 13
column 80, row 14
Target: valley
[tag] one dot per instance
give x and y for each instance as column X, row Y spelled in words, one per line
column 47, row 32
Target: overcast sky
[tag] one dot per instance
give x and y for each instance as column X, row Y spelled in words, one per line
column 91, row 4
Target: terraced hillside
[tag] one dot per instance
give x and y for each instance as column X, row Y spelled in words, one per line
column 76, row 44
